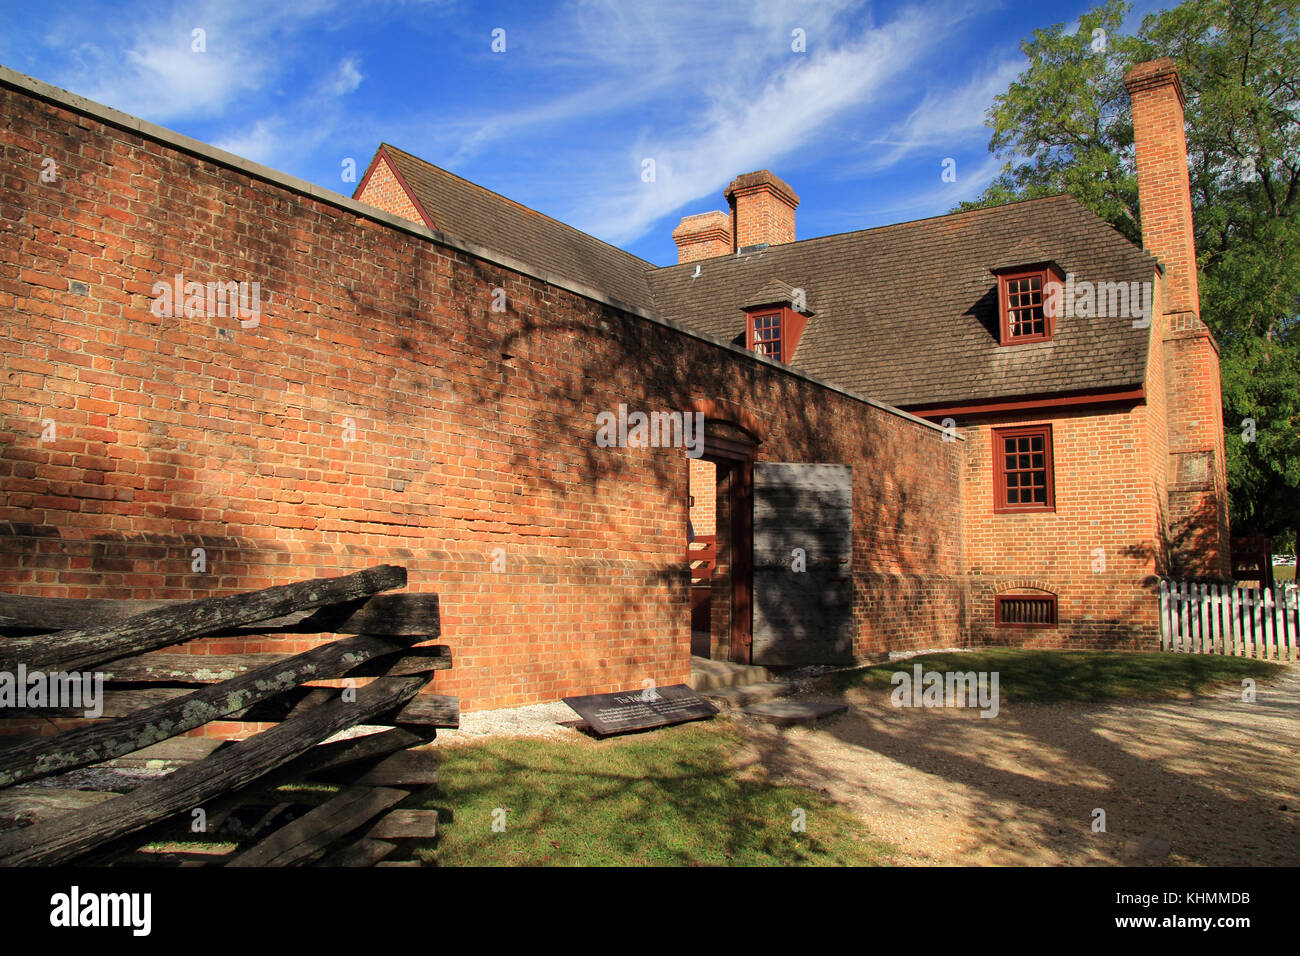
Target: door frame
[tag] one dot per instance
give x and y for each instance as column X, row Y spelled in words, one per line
column 738, row 458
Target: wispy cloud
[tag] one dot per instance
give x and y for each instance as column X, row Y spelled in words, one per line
column 184, row 63
column 928, row 201
column 946, row 118
column 784, row 117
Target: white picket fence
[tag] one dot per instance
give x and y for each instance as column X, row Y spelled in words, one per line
column 1225, row 619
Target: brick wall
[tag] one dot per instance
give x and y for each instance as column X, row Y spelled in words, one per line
column 1098, row 552
column 374, row 415
column 704, row 511
column 381, row 188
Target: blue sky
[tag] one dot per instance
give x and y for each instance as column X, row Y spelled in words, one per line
column 563, row 120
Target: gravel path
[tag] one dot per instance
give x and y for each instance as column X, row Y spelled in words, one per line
column 535, row 720
column 1210, row 780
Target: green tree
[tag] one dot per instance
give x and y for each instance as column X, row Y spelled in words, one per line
column 1064, row 125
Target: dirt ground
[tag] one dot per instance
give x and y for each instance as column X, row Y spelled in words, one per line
column 1209, row 780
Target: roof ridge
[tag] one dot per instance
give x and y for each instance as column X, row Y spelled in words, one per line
column 496, row 195
column 909, row 222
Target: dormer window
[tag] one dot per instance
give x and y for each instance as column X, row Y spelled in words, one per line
column 767, row 335
column 775, row 317
column 1026, row 318
column 1023, row 303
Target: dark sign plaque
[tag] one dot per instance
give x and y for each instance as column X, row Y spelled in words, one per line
column 641, row 709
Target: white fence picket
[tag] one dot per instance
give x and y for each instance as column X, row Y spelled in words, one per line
column 1230, row 620
column 1166, row 624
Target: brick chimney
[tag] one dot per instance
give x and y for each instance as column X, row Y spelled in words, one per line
column 1164, row 192
column 1197, row 479
column 703, row 236
column 762, row 209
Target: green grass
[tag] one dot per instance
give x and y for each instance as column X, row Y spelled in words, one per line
column 1284, row 572
column 669, row 797
column 1033, row 675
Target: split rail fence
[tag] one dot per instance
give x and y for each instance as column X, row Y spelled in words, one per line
column 323, row 785
column 1230, row 619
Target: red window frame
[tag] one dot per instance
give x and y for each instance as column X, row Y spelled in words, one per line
column 1047, row 600
column 778, row 322
column 1006, row 309
column 1001, row 487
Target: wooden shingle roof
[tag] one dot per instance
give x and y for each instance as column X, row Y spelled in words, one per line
column 908, row 315
column 905, row 314
column 467, row 211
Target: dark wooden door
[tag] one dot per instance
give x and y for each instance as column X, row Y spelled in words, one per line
column 742, row 573
column 802, row 566
column 733, row 453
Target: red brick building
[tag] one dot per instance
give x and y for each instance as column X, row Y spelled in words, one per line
column 420, row 372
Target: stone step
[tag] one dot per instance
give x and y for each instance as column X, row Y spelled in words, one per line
column 794, row 711
column 731, row 698
column 708, row 675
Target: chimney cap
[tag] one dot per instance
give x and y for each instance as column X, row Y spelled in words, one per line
column 759, row 178
column 1154, row 74
column 702, row 223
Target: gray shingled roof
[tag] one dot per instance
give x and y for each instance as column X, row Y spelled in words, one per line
column 907, row 314
column 467, row 211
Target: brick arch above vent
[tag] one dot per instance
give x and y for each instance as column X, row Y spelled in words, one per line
column 1024, row 584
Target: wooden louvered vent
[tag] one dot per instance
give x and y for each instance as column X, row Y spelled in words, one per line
column 1026, row 610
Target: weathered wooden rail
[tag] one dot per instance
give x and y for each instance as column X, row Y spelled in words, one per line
column 271, row 799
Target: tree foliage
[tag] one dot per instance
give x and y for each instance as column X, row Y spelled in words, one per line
column 1065, row 125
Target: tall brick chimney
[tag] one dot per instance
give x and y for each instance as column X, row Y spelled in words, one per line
column 762, row 209
column 703, row 236
column 1197, row 478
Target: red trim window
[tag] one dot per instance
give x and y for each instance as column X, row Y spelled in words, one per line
column 1023, row 477
column 1022, row 298
column 1025, row 610
column 766, row 336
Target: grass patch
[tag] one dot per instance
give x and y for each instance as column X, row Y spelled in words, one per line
column 669, row 797
column 1033, row 675
column 1283, row 572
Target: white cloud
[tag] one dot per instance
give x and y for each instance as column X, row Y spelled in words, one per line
column 346, row 78
column 142, row 61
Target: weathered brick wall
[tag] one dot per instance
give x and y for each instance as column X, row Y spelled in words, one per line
column 380, row 411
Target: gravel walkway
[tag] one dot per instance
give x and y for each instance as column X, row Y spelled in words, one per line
column 1210, row 780
column 535, row 720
